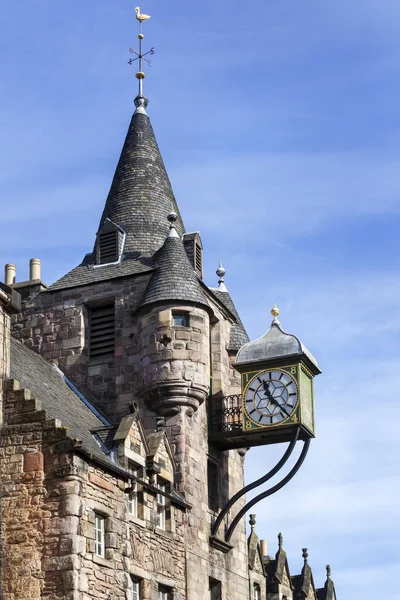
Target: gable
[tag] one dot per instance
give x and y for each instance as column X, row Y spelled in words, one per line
column 132, row 440
column 258, row 566
column 163, row 457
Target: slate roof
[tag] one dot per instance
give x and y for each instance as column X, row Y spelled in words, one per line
column 57, row 398
column 141, row 195
column 85, row 274
column 174, row 277
column 139, row 201
column 239, row 335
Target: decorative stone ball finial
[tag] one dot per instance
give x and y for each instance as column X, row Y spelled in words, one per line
column 305, row 555
column 328, row 571
column 172, row 217
column 280, row 541
column 221, row 282
column 220, row 272
column 252, row 521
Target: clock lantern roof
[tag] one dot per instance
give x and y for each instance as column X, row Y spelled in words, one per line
column 273, row 345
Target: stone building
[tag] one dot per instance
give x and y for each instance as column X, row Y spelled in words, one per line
column 109, row 482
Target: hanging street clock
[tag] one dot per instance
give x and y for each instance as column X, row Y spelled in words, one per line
column 277, row 386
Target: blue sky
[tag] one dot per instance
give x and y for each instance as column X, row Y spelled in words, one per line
column 279, row 127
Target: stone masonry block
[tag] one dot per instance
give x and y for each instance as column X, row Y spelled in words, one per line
column 72, row 343
column 33, row 461
column 88, row 530
column 111, row 540
column 72, row 505
column 113, row 525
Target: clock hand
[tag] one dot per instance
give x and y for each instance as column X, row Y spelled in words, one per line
column 272, row 399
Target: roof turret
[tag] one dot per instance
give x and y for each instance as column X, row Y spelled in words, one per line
column 141, row 193
column 274, row 344
column 174, row 277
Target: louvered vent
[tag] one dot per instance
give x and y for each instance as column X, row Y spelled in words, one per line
column 102, row 331
column 198, row 259
column 108, row 247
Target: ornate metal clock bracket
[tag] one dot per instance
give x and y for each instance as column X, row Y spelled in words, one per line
column 224, row 544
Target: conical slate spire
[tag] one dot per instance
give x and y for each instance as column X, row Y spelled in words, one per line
column 174, row 277
column 141, row 193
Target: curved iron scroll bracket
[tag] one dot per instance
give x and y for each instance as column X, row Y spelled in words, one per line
column 256, row 484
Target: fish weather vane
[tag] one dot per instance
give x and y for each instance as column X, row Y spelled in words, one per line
column 140, row 56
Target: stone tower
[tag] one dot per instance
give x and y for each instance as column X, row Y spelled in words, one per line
column 110, row 482
column 134, row 325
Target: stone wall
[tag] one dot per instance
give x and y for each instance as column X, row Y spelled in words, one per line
column 5, row 324
column 165, row 369
column 50, row 498
column 56, row 325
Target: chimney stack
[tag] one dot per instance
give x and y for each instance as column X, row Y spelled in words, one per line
column 264, row 548
column 10, row 272
column 34, row 269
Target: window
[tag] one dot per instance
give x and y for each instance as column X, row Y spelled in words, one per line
column 133, row 501
column 102, row 330
column 180, row 319
column 256, row 592
column 215, row 588
column 213, row 484
column 135, row 589
column 164, row 593
column 161, row 505
column 99, row 535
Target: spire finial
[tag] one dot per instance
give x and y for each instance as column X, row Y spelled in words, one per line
column 305, row 555
column 328, row 571
column 172, row 217
column 275, row 312
column 221, row 282
column 252, row 522
column 280, row 541
column 141, row 101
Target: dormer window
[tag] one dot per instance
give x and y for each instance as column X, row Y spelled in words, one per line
column 109, row 243
column 194, row 250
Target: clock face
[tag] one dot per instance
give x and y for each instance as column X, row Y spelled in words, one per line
column 270, row 397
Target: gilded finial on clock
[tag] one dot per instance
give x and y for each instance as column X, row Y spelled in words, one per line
column 275, row 312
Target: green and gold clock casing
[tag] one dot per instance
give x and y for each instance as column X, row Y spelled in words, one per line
column 278, row 397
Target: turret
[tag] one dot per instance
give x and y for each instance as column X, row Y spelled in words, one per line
column 173, row 332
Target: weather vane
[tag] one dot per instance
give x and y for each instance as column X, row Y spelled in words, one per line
column 140, row 75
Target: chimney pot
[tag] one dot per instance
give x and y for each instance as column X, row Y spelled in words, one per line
column 10, row 272
column 264, row 548
column 34, row 269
